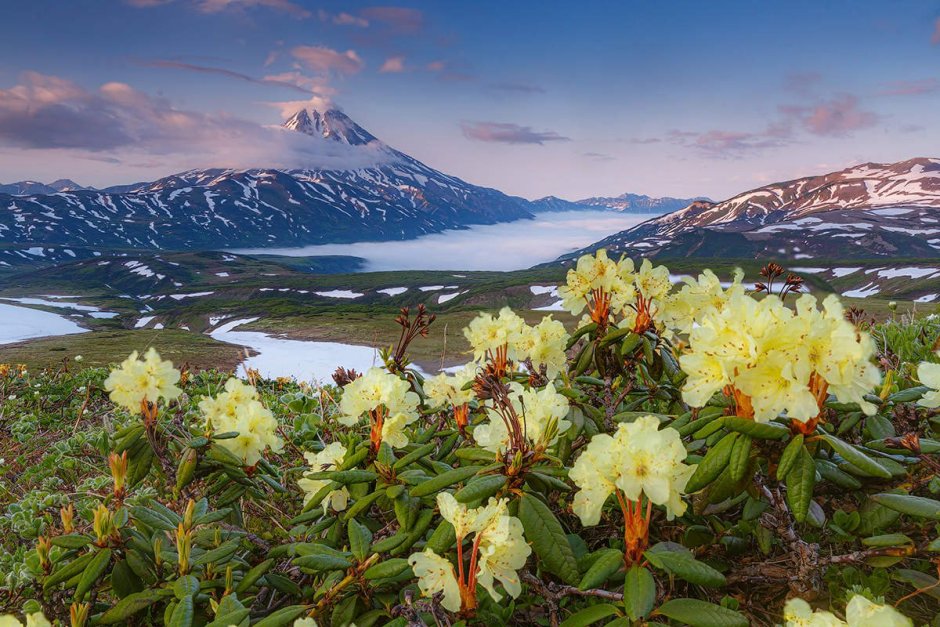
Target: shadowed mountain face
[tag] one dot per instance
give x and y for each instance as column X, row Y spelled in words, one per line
column 380, row 194
column 870, row 210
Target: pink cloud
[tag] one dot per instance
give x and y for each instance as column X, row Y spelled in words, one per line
column 399, row 19
column 326, row 60
column 911, row 88
column 436, row 66
column 217, row 6
column 837, row 117
column 508, row 133
column 393, row 65
column 935, row 39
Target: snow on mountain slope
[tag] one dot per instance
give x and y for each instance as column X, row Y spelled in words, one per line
column 355, row 188
column 637, row 203
column 870, row 210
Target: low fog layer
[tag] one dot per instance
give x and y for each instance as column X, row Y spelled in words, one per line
column 506, row 246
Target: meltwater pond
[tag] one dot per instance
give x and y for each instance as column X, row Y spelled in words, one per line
column 300, row 359
column 505, row 246
column 23, row 323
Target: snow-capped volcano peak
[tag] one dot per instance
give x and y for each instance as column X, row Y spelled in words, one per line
column 333, row 125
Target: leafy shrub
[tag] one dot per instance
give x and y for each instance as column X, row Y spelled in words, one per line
column 686, row 456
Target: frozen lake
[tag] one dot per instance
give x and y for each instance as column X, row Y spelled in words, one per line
column 23, row 323
column 507, row 246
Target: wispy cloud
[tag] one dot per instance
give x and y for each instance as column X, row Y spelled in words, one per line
column 911, row 88
column 935, row 38
column 288, row 81
column 51, row 112
column 327, row 60
column 645, row 140
column 508, row 133
column 838, row 117
column 598, row 156
column 402, row 20
column 393, row 65
column 342, row 19
column 218, row 6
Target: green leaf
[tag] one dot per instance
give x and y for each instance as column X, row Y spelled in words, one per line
column 790, row 454
column 639, row 592
column 921, row 581
column 480, row 488
column 712, row 464
column 389, row 568
column 322, row 561
column 759, row 430
column 548, row 539
column 219, row 555
column 283, row 616
column 183, row 614
column 253, row 575
column 889, row 539
column 128, row 606
column 740, row 455
column 72, row 541
column 800, row 482
column 701, row 614
column 389, row 543
column 592, row 614
column 415, row 455
column 857, row 458
column 606, row 564
column 346, row 477
column 833, row 473
column 67, row 571
column 685, row 566
column 185, row 587
column 359, row 539
column 92, row 573
column 444, row 480
column 916, row 506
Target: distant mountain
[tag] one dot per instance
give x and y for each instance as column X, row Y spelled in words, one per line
column 355, row 188
column 554, row 203
column 637, row 203
column 870, row 210
column 25, row 188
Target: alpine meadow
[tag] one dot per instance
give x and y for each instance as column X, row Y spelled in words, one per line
column 325, row 313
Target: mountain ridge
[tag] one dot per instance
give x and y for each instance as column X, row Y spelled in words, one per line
column 871, row 209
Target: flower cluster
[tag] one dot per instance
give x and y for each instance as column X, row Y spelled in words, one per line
column 640, row 459
column 36, row 619
column 239, row 409
column 499, row 551
column 139, row 381
column 541, row 414
column 329, row 458
column 775, row 360
column 388, row 401
column 444, row 390
column 860, row 612
column 608, row 288
column 542, row 344
column 697, row 297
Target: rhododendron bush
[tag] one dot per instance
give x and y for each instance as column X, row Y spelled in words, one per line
column 706, row 454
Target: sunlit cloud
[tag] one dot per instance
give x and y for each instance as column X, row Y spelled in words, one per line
column 508, row 133
column 327, row 60
column 935, row 39
column 218, row 6
column 911, row 88
column 837, row 117
column 289, row 81
column 393, row 65
column 402, row 20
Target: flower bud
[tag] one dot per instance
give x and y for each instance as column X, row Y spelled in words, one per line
column 67, row 514
column 43, row 547
column 184, row 544
column 103, row 525
column 118, row 466
column 78, row 614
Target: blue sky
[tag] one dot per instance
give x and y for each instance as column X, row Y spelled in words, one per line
column 534, row 98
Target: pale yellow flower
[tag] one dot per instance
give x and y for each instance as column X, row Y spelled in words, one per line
column 436, row 574
column 329, row 458
column 537, row 409
column 544, row 344
column 374, row 389
column 798, row 613
column 640, row 459
column 443, row 389
column 929, row 375
column 503, row 551
column 861, row 612
column 36, row 619
column 238, row 409
column 466, row 520
column 487, row 333
column 393, row 429
column 147, row 379
column 307, row 622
